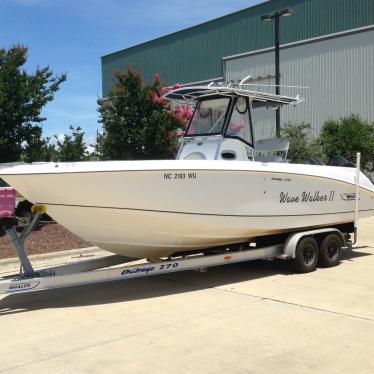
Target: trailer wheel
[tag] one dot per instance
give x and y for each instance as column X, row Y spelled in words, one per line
column 330, row 251
column 306, row 257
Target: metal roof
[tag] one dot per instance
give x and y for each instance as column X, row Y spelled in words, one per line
column 195, row 54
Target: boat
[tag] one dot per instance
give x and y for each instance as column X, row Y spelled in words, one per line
column 223, row 188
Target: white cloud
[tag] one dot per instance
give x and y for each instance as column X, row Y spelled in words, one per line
column 60, row 137
column 53, row 140
column 90, row 149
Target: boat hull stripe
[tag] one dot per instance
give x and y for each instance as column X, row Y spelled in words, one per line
column 201, row 214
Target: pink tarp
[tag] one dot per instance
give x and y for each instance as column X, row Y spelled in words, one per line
column 7, row 201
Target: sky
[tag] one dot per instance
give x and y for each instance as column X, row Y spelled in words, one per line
column 71, row 35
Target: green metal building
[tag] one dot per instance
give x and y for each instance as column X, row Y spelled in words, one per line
column 327, row 46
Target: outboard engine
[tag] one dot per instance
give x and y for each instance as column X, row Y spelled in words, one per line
column 341, row 161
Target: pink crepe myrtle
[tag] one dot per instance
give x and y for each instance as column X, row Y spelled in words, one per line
column 236, row 127
column 158, row 100
column 164, row 90
column 176, row 133
column 153, row 95
column 184, row 113
column 157, row 77
column 179, row 133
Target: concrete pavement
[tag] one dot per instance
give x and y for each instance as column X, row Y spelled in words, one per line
column 256, row 317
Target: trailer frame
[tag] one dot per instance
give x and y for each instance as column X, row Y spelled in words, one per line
column 107, row 269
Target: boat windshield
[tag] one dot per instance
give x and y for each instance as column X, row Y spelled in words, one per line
column 209, row 117
column 239, row 125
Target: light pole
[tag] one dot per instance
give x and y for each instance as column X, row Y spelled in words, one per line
column 269, row 17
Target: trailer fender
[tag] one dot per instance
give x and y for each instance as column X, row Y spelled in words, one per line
column 289, row 249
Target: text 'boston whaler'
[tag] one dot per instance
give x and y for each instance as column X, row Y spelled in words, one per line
column 222, row 189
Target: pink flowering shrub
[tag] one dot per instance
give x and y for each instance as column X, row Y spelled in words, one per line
column 138, row 122
column 235, row 127
column 182, row 112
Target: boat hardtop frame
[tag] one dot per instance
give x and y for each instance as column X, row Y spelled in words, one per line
column 227, row 138
column 195, row 93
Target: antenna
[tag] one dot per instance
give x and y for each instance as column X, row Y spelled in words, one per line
column 245, row 79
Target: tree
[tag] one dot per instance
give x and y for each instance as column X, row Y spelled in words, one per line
column 22, row 98
column 39, row 148
column 72, row 147
column 138, row 123
column 347, row 136
column 301, row 146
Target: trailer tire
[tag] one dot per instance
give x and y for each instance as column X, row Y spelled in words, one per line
column 306, row 257
column 330, row 251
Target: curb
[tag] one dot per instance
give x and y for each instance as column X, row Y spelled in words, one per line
column 52, row 255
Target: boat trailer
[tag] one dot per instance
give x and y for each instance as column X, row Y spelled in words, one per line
column 114, row 267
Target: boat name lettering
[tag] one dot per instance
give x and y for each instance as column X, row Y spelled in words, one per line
column 306, row 197
column 138, row 270
column 29, row 285
column 180, row 176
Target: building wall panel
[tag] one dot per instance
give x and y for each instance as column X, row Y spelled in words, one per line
column 196, row 53
column 338, row 72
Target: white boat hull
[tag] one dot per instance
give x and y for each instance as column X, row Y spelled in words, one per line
column 157, row 208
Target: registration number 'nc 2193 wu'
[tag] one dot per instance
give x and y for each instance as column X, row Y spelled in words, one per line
column 179, row 176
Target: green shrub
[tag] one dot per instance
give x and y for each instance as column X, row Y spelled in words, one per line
column 347, row 136
column 71, row 147
column 301, row 145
